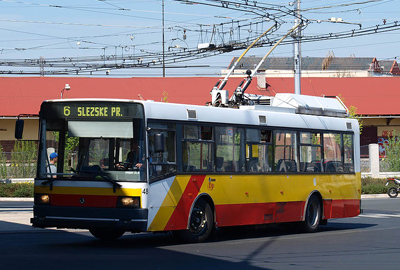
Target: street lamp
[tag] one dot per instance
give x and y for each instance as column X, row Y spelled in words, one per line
column 66, row 87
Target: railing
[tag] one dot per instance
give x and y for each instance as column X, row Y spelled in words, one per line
column 18, row 164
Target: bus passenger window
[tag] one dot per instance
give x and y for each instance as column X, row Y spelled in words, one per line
column 285, row 143
column 258, row 150
column 348, row 153
column 333, row 153
column 310, row 152
column 230, row 147
column 198, row 148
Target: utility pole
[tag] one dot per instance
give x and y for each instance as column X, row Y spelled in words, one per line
column 297, row 52
column 163, row 41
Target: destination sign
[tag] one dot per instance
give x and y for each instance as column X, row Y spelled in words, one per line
column 91, row 110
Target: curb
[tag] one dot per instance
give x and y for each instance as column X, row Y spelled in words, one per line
column 369, row 196
column 8, row 199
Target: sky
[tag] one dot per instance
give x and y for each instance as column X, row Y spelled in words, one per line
column 78, row 33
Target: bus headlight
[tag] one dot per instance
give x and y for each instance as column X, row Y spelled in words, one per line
column 42, row 199
column 130, row 202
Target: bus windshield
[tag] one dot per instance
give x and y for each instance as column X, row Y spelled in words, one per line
column 92, row 149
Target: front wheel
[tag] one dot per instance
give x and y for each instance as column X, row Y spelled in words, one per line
column 201, row 222
column 392, row 192
column 106, row 234
column 313, row 216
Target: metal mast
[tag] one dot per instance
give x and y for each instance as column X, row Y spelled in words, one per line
column 163, row 40
column 297, row 52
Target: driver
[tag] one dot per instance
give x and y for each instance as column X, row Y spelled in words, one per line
column 132, row 159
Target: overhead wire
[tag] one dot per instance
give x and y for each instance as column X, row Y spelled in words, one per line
column 151, row 58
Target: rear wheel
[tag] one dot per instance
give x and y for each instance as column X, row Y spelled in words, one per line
column 201, row 222
column 392, row 192
column 106, row 234
column 313, row 215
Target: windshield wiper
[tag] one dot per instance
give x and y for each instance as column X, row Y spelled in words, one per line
column 112, row 181
column 48, row 182
column 100, row 173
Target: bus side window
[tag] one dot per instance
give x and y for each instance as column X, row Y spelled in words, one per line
column 348, row 153
column 198, row 148
column 310, row 152
column 162, row 150
column 230, row 147
column 258, row 150
column 285, row 143
column 333, row 153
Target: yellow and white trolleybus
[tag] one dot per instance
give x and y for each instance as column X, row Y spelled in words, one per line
column 142, row 166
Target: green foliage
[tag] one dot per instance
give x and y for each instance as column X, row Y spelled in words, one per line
column 71, row 143
column 23, row 159
column 3, row 164
column 353, row 115
column 373, row 186
column 165, row 97
column 16, row 190
column 393, row 153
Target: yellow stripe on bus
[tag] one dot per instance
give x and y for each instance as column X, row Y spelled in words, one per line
column 242, row 189
column 89, row 191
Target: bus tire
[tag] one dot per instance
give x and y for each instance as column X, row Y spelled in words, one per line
column 313, row 215
column 106, row 234
column 201, row 223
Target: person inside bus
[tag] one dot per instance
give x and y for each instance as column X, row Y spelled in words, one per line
column 133, row 158
column 52, row 166
column 104, row 164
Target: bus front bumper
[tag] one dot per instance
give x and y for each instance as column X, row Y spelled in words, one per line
column 134, row 220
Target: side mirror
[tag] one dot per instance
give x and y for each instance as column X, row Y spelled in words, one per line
column 159, row 142
column 19, row 129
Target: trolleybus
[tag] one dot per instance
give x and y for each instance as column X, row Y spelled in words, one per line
column 144, row 166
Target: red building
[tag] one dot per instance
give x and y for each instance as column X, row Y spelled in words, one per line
column 376, row 98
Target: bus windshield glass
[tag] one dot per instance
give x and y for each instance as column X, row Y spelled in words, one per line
column 90, row 146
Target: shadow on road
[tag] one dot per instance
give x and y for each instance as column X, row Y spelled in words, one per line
column 62, row 249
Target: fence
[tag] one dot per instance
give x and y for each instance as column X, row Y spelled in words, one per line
column 18, row 164
column 374, row 166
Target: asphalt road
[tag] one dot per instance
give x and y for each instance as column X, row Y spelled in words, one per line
column 366, row 242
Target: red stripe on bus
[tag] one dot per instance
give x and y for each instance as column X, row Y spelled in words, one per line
column 179, row 218
column 341, row 208
column 83, row 200
column 258, row 213
column 264, row 213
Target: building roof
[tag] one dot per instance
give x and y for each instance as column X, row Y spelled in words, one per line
column 23, row 95
column 307, row 63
